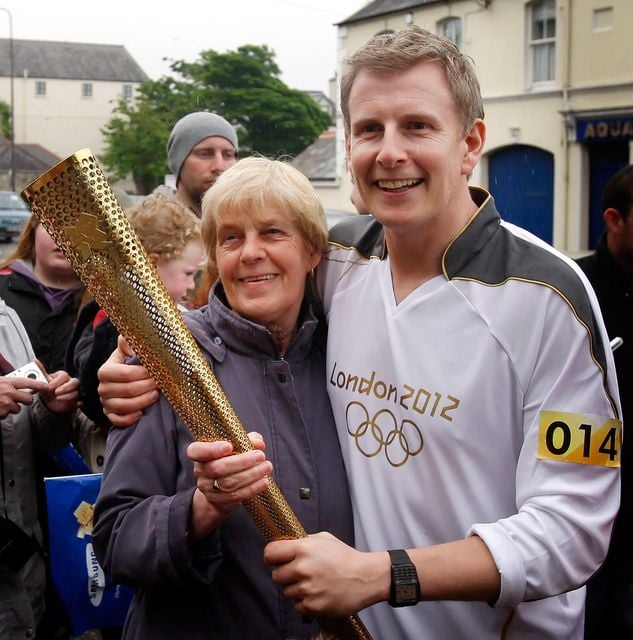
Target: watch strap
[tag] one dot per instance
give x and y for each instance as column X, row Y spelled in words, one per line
column 399, row 557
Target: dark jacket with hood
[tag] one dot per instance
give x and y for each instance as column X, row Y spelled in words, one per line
column 49, row 326
column 609, row 609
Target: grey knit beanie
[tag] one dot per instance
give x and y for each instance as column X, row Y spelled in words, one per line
column 190, row 130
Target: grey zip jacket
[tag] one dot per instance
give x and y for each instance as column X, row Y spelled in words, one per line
column 34, row 429
column 221, row 587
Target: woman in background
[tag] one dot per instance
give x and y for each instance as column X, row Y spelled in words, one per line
column 38, row 282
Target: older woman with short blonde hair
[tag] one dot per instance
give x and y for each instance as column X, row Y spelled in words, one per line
column 169, row 519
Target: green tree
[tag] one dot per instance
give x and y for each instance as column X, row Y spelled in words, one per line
column 5, row 119
column 243, row 86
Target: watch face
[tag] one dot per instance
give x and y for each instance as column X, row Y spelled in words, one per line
column 407, row 592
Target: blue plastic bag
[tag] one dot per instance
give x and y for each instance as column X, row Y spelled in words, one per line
column 92, row 601
column 70, row 461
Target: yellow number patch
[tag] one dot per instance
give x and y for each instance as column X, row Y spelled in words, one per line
column 574, row 437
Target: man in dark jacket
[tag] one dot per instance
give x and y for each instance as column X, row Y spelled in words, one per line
column 609, row 610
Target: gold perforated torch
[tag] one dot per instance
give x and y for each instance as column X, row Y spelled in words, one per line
column 75, row 204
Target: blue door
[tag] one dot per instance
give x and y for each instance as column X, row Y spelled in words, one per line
column 605, row 159
column 521, row 180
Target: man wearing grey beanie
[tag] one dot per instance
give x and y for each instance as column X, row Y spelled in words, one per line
column 201, row 146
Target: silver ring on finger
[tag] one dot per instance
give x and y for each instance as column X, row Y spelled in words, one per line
column 216, row 485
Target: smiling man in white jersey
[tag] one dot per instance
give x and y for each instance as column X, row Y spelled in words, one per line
column 470, row 376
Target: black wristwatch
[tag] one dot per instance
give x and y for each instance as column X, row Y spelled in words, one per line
column 405, row 586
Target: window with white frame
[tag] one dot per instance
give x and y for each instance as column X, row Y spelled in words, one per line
column 40, row 88
column 86, row 89
column 451, row 28
column 126, row 91
column 542, row 40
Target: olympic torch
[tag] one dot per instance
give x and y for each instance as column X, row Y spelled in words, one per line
column 75, row 204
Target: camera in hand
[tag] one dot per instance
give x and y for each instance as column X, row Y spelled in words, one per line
column 29, row 370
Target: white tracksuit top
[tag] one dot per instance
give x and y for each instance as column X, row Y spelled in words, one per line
column 484, row 403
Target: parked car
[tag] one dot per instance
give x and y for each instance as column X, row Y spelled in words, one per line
column 13, row 215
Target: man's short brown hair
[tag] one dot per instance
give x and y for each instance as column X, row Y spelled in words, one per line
column 399, row 51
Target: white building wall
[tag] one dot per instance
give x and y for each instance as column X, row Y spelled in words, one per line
column 62, row 121
column 594, row 75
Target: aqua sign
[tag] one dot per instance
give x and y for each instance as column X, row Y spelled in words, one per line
column 604, row 129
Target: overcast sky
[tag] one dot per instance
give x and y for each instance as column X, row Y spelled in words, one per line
column 301, row 32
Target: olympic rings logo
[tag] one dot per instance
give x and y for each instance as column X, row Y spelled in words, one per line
column 382, row 433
